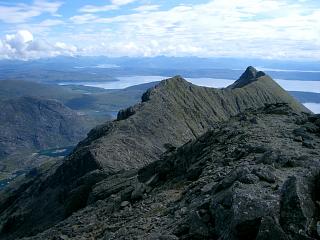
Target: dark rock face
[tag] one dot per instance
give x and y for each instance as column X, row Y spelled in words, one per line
column 249, row 76
column 213, row 180
column 124, row 114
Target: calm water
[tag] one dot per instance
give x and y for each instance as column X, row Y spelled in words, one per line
column 314, row 107
column 124, row 82
column 302, row 86
column 289, row 85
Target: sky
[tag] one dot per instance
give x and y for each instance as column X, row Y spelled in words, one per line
column 267, row 29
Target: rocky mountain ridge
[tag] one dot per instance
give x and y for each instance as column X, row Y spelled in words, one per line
column 182, row 111
column 104, row 166
column 255, row 176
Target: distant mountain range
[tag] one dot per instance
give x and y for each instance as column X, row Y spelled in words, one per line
column 188, row 162
column 62, row 69
column 164, row 62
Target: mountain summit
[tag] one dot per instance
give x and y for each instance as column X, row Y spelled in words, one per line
column 249, row 76
column 104, row 165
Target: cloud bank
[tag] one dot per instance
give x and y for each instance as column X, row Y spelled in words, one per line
column 22, row 45
column 279, row 29
column 248, row 28
column 115, row 4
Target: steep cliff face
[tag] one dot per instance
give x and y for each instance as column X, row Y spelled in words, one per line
column 170, row 114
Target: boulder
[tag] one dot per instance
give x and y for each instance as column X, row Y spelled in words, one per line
column 138, row 191
column 297, row 207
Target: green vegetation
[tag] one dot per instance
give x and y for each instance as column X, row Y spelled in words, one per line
column 100, row 104
column 23, row 123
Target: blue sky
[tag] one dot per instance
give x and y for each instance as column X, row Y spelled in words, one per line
column 276, row 29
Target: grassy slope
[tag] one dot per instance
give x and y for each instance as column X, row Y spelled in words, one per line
column 96, row 102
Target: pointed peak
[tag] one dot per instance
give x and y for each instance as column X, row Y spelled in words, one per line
column 250, row 71
column 250, row 75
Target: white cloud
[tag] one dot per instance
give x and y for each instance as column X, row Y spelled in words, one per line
column 122, row 2
column 22, row 36
column 233, row 28
column 83, row 19
column 66, row 48
column 147, row 8
column 22, row 45
column 115, row 4
column 21, row 13
column 94, row 9
column 51, row 23
column 248, row 28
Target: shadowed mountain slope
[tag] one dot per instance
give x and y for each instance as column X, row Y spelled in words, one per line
column 171, row 114
column 28, row 124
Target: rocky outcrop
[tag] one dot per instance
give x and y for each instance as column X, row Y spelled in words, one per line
column 243, row 179
column 171, row 114
column 249, row 76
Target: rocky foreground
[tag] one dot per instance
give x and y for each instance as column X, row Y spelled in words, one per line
column 253, row 177
column 237, row 163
